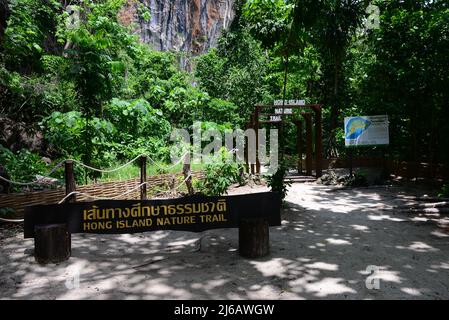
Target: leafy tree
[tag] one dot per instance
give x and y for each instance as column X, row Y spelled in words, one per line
column 401, row 72
column 94, row 56
column 326, row 24
column 236, row 71
column 30, row 26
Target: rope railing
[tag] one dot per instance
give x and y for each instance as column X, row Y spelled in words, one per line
column 117, row 196
column 12, row 220
column 101, row 198
column 38, row 181
column 57, row 166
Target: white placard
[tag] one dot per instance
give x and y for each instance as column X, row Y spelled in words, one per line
column 275, row 118
column 284, row 111
column 295, row 103
column 367, row 131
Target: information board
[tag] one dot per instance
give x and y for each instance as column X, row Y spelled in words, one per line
column 367, row 131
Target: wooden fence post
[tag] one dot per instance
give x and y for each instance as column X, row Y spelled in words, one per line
column 187, row 175
column 143, row 177
column 70, row 185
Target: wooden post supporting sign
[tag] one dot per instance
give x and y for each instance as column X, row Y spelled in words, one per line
column 298, row 124
column 52, row 243
column 254, row 238
column 309, row 143
column 318, row 141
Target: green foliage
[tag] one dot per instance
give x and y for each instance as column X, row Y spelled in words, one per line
column 128, row 129
column 219, row 174
column 29, row 98
column 104, row 97
column 144, row 12
column 444, row 193
column 221, row 111
column 400, row 71
column 29, row 23
column 136, row 118
column 269, row 20
column 358, row 179
column 184, row 105
column 6, row 212
column 22, row 166
column 95, row 57
column 277, row 181
column 235, row 72
column 64, row 131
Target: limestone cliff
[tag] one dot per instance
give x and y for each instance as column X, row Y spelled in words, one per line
column 190, row 26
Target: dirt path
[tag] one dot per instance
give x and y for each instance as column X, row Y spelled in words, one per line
column 327, row 241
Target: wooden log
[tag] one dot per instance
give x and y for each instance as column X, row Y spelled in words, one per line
column 430, row 210
column 423, row 211
column 254, row 238
column 443, row 204
column 52, row 243
column 431, row 199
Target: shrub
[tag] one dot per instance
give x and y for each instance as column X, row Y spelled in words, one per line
column 356, row 180
column 66, row 134
column 277, row 181
column 219, row 174
column 136, row 118
column 444, row 193
column 23, row 166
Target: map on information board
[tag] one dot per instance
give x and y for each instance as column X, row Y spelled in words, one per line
column 367, row 131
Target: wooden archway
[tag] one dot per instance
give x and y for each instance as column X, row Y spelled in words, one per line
column 313, row 122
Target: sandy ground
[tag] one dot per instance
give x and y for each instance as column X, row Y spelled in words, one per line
column 328, row 239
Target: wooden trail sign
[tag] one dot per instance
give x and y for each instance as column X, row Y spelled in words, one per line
column 195, row 214
column 51, row 226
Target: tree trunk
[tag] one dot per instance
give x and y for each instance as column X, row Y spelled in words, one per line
column 52, row 243
column 254, row 236
column 4, row 15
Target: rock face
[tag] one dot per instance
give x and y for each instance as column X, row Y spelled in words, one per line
column 17, row 135
column 190, row 26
